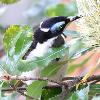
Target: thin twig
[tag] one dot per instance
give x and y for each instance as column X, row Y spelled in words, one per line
column 70, row 78
column 91, row 78
column 94, row 82
column 10, row 89
column 24, row 78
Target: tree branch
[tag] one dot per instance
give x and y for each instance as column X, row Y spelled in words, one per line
column 67, row 82
column 24, row 78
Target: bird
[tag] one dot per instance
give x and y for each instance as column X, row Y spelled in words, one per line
column 48, row 34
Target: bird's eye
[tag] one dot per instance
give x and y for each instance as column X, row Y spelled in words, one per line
column 60, row 27
column 57, row 27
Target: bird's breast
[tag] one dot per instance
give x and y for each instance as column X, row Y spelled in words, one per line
column 41, row 49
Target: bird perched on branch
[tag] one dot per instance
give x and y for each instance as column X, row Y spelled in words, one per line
column 48, row 34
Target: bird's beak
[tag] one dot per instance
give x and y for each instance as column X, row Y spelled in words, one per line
column 74, row 18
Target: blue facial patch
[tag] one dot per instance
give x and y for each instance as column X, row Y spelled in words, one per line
column 57, row 27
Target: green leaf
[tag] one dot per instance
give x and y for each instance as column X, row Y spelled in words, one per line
column 17, row 40
column 8, row 1
column 62, row 10
column 0, row 89
column 4, row 85
column 35, row 89
column 4, row 67
column 23, row 42
column 94, row 90
column 74, row 96
column 10, row 38
column 49, row 93
column 77, row 48
column 76, row 45
column 53, row 68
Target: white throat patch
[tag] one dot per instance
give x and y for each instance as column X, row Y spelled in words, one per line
column 41, row 49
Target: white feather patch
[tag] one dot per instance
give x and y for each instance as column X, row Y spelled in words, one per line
column 41, row 49
column 43, row 29
column 71, row 18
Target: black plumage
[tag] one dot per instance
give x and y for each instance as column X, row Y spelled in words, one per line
column 42, row 36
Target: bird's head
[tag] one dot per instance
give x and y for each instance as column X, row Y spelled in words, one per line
column 52, row 27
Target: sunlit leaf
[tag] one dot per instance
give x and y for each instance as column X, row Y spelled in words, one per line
column 10, row 38
column 17, row 40
column 24, row 41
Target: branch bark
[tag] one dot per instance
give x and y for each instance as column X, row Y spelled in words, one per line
column 67, row 82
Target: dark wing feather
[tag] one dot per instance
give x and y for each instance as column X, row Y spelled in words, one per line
column 59, row 41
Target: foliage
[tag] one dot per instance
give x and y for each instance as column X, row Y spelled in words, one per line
column 17, row 40
column 8, row 1
column 62, row 10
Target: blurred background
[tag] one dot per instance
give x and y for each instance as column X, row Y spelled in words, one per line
column 32, row 12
